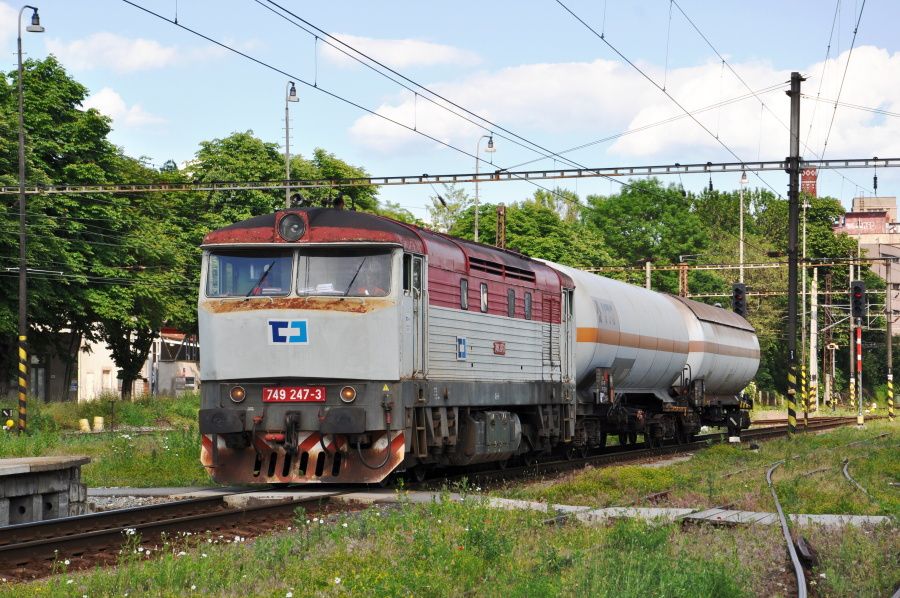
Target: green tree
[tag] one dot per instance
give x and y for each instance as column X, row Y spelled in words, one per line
column 447, row 207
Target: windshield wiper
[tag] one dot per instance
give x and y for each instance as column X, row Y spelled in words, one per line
column 262, row 278
column 352, row 280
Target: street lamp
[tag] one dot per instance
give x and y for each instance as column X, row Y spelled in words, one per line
column 35, row 27
column 744, row 182
column 290, row 95
column 490, row 149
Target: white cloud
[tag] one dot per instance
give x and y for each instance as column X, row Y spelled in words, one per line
column 8, row 16
column 109, row 102
column 122, row 54
column 590, row 100
column 399, row 53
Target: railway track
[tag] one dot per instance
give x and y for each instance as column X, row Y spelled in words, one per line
column 33, row 550
column 618, row 455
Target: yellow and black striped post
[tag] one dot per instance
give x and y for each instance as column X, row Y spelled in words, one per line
column 804, row 395
column 853, row 391
column 792, row 398
column 23, row 381
column 890, row 397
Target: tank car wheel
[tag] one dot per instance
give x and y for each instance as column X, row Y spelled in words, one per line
column 501, row 465
column 632, row 437
column 529, row 459
column 623, row 438
column 602, row 444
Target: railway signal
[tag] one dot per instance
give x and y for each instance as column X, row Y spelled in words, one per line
column 858, row 299
column 739, row 299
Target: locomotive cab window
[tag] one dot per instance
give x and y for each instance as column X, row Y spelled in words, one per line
column 511, row 303
column 484, row 297
column 242, row 273
column 344, row 273
column 464, row 293
column 527, row 305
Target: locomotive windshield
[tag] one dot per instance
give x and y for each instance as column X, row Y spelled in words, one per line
column 345, row 274
column 249, row 273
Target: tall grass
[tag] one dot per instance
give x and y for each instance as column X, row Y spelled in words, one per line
column 118, row 458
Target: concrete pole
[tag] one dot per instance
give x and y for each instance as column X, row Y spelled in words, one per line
column 793, row 217
column 648, row 266
column 804, row 386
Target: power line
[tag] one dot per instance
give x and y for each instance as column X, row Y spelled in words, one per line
column 602, row 38
column 316, row 87
column 849, row 105
column 492, row 126
column 744, row 83
column 837, row 8
column 657, row 123
column 844, row 76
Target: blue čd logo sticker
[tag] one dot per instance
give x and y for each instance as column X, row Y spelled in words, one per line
column 288, row 332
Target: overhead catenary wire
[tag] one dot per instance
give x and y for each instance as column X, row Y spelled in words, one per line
column 837, row 8
column 320, row 89
column 655, row 84
column 734, row 72
column 843, row 77
column 354, row 53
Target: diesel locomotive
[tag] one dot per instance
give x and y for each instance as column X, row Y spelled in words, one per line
column 341, row 346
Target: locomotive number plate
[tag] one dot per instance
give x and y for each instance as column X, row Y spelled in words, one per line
column 293, row 394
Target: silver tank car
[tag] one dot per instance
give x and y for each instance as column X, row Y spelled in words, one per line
column 651, row 341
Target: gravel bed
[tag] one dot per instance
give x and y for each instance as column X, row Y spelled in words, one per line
column 110, row 503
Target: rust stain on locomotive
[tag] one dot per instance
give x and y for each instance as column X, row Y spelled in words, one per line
column 342, row 304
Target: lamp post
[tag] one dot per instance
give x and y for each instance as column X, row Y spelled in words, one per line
column 35, row 27
column 744, row 182
column 490, row 149
column 290, row 95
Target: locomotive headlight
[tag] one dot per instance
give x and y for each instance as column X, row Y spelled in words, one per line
column 237, row 394
column 348, row 394
column 291, row 227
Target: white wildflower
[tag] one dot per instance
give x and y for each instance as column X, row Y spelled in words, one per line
column 337, row 580
column 130, row 531
column 68, row 581
column 344, row 524
column 181, row 553
column 193, row 587
column 203, row 555
column 67, row 562
column 289, row 595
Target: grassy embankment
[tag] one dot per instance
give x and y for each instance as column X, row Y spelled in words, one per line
column 726, row 474
column 459, row 548
column 122, row 457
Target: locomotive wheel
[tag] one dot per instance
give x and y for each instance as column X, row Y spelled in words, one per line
column 632, row 437
column 602, row 440
column 623, row 438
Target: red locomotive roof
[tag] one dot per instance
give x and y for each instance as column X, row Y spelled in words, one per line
column 328, row 225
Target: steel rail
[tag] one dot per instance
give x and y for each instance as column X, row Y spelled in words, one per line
column 620, row 454
column 852, row 481
column 85, row 543
column 798, row 568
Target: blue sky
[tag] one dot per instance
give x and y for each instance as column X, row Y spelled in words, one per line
column 527, row 66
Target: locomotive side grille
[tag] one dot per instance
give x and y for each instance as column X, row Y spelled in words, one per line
column 498, row 269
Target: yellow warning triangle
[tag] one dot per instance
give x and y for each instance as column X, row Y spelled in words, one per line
column 385, row 388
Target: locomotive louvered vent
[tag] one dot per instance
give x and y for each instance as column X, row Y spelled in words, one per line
column 498, row 269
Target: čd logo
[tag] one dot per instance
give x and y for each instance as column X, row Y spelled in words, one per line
column 288, row 332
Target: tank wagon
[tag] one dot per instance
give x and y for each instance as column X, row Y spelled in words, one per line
column 341, row 346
